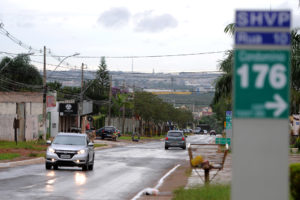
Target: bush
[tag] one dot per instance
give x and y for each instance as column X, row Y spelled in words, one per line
column 295, row 180
column 297, row 143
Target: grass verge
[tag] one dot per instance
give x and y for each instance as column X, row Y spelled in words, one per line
column 211, row 192
column 100, row 145
column 8, row 156
column 37, row 155
column 32, row 145
column 141, row 138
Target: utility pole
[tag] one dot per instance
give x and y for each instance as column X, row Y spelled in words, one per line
column 133, row 116
column 123, row 110
column 81, row 101
column 110, row 95
column 81, row 94
column 44, row 97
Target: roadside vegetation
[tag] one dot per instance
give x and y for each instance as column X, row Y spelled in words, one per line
column 211, row 192
column 128, row 137
column 9, row 150
column 9, row 156
column 99, row 145
column 32, row 145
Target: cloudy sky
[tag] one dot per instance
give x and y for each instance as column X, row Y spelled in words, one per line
column 119, row 28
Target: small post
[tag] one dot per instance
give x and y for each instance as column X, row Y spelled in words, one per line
column 16, row 126
column 206, row 176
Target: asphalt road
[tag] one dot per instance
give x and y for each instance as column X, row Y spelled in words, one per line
column 119, row 173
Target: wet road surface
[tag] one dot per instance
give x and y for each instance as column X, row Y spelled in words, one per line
column 119, row 173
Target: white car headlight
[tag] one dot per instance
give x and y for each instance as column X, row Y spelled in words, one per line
column 50, row 149
column 82, row 151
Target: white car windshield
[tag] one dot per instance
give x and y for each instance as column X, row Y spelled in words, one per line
column 69, row 140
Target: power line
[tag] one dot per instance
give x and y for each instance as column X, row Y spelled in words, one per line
column 154, row 56
column 59, row 57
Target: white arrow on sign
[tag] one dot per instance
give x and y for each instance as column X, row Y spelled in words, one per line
column 279, row 105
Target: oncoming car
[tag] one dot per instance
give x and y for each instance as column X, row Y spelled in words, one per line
column 70, row 149
column 175, row 139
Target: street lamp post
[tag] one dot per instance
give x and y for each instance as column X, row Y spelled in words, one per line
column 45, row 88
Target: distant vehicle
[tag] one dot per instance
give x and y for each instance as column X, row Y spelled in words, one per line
column 203, row 127
column 197, row 130
column 185, row 131
column 175, row 138
column 212, row 132
column 70, row 149
column 205, row 132
column 107, row 132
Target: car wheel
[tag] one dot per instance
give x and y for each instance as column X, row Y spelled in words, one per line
column 102, row 137
column 166, row 148
column 91, row 166
column 86, row 166
column 183, row 148
column 48, row 166
column 55, row 167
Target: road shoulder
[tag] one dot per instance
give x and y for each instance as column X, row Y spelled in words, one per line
column 174, row 181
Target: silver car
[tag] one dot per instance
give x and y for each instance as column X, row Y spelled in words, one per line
column 70, row 149
column 175, row 139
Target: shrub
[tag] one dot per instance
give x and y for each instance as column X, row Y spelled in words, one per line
column 297, row 143
column 295, row 180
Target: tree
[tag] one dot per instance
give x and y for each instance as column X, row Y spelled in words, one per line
column 17, row 74
column 98, row 89
column 102, row 77
column 54, row 85
column 155, row 112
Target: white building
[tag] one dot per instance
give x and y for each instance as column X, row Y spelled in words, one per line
column 27, row 107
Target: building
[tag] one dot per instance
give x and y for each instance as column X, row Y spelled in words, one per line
column 68, row 116
column 27, row 108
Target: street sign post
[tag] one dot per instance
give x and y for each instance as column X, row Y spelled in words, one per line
column 261, row 81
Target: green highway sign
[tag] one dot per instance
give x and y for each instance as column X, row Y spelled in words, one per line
column 261, row 83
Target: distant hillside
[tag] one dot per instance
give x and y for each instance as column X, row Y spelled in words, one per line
column 179, row 82
column 193, row 101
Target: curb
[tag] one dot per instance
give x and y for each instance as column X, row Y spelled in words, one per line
column 23, row 162
column 103, row 147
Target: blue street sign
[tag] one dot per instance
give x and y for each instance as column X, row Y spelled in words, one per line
column 263, row 19
column 262, row 38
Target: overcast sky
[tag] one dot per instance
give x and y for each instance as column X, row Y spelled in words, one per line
column 117, row 28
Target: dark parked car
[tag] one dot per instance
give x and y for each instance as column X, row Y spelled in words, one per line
column 175, row 139
column 107, row 132
column 70, row 149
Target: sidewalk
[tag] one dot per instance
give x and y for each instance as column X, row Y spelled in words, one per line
column 181, row 178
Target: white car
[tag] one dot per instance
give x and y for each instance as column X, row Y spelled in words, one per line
column 70, row 149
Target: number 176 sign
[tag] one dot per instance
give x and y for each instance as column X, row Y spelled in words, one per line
column 261, row 83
